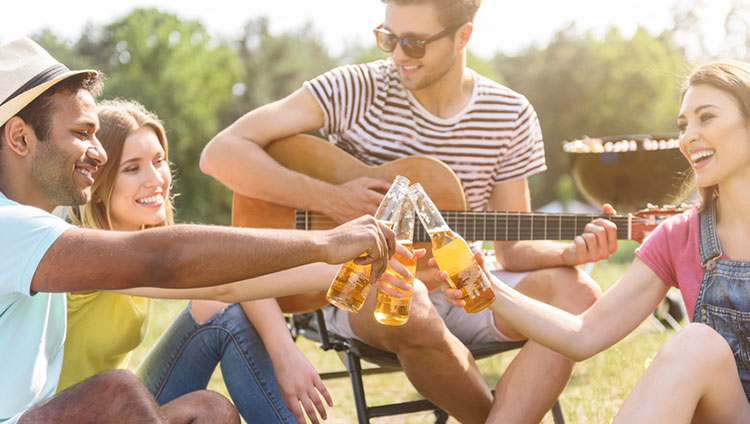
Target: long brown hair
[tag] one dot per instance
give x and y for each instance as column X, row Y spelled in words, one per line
column 733, row 78
column 117, row 119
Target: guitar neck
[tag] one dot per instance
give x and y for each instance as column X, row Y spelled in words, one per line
column 501, row 226
column 513, row 226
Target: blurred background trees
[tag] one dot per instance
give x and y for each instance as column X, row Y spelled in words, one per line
column 584, row 86
column 580, row 84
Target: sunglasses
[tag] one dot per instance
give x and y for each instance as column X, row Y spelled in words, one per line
column 411, row 46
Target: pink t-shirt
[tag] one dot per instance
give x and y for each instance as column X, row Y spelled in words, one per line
column 672, row 252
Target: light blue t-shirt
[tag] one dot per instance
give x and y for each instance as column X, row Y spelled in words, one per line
column 32, row 325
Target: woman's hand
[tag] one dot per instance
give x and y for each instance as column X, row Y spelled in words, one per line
column 389, row 283
column 451, row 294
column 301, row 386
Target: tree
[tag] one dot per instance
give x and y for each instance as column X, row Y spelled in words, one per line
column 276, row 65
column 583, row 86
column 692, row 29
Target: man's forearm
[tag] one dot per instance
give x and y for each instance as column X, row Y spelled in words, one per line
column 193, row 254
column 187, row 256
column 180, row 256
column 245, row 167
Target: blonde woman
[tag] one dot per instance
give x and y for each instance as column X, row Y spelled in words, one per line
column 267, row 377
column 702, row 375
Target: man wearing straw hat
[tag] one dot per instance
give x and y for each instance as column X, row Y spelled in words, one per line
column 48, row 157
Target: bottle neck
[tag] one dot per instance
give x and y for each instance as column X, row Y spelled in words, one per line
column 429, row 214
column 403, row 226
column 392, row 200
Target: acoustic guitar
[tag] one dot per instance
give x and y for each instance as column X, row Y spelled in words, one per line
column 322, row 160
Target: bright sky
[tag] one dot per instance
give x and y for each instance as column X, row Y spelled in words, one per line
column 500, row 25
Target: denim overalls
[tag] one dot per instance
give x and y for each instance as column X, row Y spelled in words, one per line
column 724, row 298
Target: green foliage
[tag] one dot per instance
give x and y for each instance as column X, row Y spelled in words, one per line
column 483, row 67
column 361, row 54
column 196, row 83
column 176, row 69
column 582, row 86
column 565, row 189
column 275, row 66
column 62, row 50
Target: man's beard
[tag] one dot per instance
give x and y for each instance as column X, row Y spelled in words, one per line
column 434, row 76
column 52, row 176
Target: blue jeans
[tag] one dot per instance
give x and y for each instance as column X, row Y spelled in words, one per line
column 186, row 355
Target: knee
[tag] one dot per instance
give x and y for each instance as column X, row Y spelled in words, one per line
column 201, row 406
column 424, row 329
column 123, row 382
column 124, row 391
column 567, row 288
column 111, row 396
column 584, row 289
column 214, row 407
column 697, row 346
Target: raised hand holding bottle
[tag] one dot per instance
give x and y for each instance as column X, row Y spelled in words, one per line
column 391, row 310
column 351, row 285
column 453, row 255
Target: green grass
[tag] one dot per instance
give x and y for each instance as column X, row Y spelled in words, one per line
column 594, row 394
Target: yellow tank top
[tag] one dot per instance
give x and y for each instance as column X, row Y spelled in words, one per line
column 103, row 328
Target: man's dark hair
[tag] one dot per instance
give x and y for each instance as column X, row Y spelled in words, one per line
column 450, row 12
column 37, row 113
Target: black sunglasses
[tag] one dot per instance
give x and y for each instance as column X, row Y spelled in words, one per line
column 412, row 46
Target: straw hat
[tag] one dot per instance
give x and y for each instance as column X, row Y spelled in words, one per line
column 27, row 71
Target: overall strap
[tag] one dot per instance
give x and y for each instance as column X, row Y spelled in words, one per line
column 710, row 248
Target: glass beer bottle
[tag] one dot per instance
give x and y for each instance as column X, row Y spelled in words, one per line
column 391, row 310
column 351, row 285
column 453, row 255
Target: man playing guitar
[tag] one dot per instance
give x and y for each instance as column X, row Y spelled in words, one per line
column 423, row 100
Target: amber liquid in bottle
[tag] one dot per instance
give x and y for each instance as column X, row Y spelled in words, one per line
column 349, row 289
column 391, row 310
column 454, row 256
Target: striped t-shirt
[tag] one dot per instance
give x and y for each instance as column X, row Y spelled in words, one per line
column 370, row 114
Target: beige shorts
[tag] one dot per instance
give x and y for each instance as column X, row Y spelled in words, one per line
column 469, row 328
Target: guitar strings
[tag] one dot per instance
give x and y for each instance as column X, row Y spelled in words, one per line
column 477, row 225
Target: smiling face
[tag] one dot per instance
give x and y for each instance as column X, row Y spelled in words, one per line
column 714, row 136
column 441, row 55
column 141, row 189
column 61, row 166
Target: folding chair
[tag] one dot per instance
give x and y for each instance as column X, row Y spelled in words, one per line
column 312, row 326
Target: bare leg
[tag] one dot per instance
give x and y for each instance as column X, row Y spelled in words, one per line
column 115, row 396
column 694, row 378
column 201, row 407
column 535, row 378
column 438, row 365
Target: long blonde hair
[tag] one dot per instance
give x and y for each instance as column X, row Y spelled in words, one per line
column 117, row 119
column 733, row 78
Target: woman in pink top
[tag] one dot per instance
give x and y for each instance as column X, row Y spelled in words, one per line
column 703, row 373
